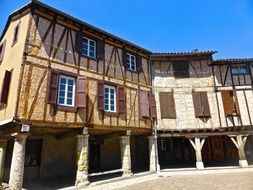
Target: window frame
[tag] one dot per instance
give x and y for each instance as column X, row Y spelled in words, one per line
column 109, row 110
column 15, row 35
column 66, row 91
column 88, row 47
column 129, row 60
column 238, row 67
column 181, row 73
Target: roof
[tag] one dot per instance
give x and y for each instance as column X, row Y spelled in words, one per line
column 36, row 3
column 173, row 54
column 233, row 61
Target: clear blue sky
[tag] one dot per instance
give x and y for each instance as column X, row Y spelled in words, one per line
column 164, row 25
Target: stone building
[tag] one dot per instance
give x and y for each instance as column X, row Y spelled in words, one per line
column 73, row 99
column 204, row 110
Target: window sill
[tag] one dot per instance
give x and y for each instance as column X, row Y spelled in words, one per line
column 107, row 113
column 232, row 115
column 66, row 108
column 88, row 57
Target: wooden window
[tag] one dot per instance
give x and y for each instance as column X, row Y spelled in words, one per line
column 132, row 62
column 66, row 92
column 15, row 36
column 2, row 50
column 5, row 87
column 201, row 105
column 239, row 69
column 230, row 102
column 111, row 98
column 89, row 47
column 144, row 104
column 181, row 69
column 167, row 105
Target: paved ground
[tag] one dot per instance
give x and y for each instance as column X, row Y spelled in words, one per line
column 221, row 181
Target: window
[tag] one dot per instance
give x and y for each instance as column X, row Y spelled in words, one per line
column 239, row 69
column 2, row 48
column 167, row 105
column 181, row 69
column 131, row 62
column 66, row 92
column 230, row 102
column 5, row 87
column 88, row 47
column 15, row 37
column 110, row 98
column 201, row 105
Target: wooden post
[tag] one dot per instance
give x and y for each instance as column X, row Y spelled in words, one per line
column 18, row 161
column 197, row 145
column 3, row 143
column 82, row 160
column 153, row 154
column 126, row 155
column 239, row 142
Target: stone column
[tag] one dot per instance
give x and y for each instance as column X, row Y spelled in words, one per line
column 153, row 154
column 126, row 156
column 239, row 142
column 18, row 161
column 3, row 143
column 197, row 145
column 82, row 160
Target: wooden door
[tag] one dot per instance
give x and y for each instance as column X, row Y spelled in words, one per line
column 217, row 148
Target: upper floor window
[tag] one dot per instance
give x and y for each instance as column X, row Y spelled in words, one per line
column 15, row 37
column 109, row 98
column 2, row 48
column 5, row 87
column 181, row 69
column 66, row 92
column 239, row 69
column 230, row 102
column 88, row 47
column 131, row 62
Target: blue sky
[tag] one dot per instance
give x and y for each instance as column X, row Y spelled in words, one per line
column 165, row 25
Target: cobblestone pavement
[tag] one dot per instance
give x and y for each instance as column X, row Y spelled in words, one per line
column 218, row 181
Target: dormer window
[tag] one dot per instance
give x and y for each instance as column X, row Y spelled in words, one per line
column 239, row 69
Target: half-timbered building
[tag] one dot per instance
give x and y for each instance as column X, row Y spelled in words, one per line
column 74, row 99
column 204, row 109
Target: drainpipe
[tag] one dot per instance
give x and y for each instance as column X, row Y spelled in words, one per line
column 154, row 121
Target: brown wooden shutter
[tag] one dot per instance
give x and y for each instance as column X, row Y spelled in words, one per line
column 100, row 96
column 144, row 104
column 138, row 64
column 53, row 88
column 167, row 105
column 81, row 92
column 205, row 104
column 152, row 104
column 227, row 104
column 237, row 110
column 5, row 87
column 196, row 97
column 79, row 38
column 121, row 99
column 2, row 50
column 124, row 58
column 100, row 49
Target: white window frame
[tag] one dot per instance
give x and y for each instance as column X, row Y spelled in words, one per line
column 88, row 47
column 66, row 91
column 131, row 65
column 109, row 99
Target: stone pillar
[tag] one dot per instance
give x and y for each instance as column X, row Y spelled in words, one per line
column 3, row 143
column 197, row 145
column 239, row 142
column 126, row 155
column 153, row 154
column 17, row 162
column 82, row 160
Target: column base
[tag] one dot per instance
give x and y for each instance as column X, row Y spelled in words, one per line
column 127, row 174
column 243, row 163
column 199, row 165
column 81, row 179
